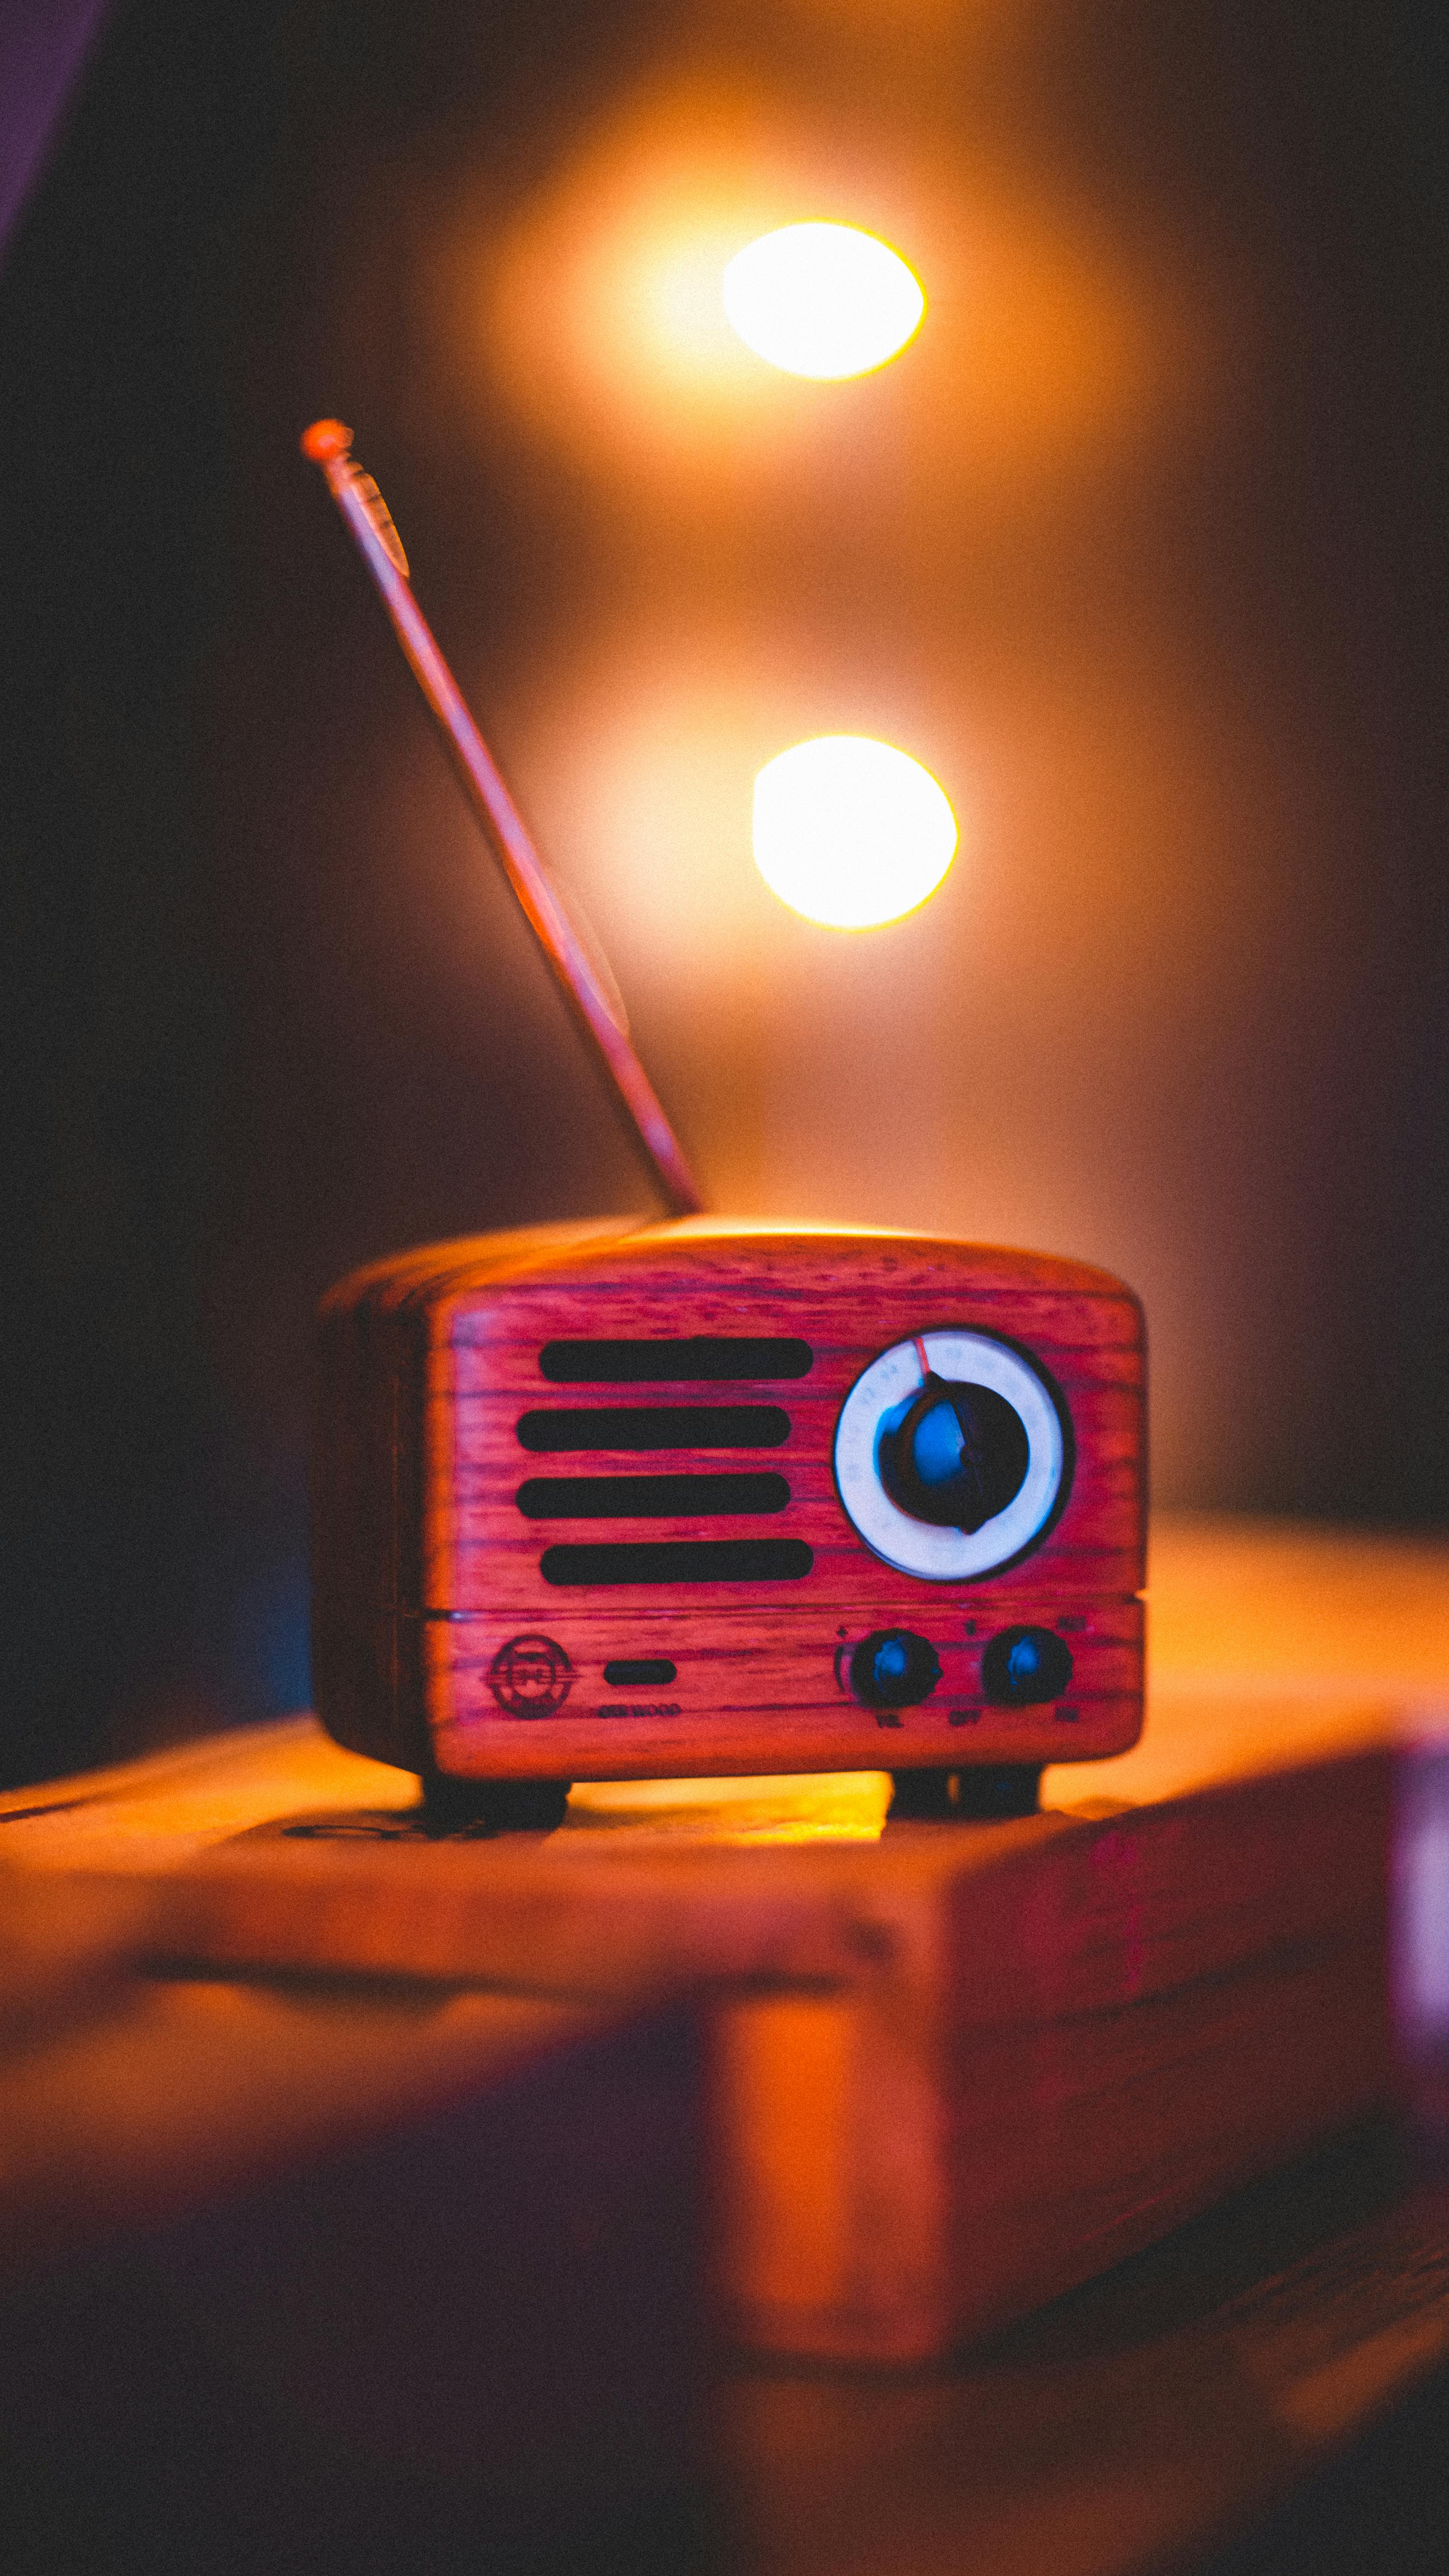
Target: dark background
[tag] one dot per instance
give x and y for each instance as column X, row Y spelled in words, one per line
column 1142, row 547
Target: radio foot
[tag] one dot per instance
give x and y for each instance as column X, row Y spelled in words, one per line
column 478, row 1808
column 988, row 1794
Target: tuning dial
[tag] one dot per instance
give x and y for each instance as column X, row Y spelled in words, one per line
column 958, row 1458
column 952, row 1455
column 894, row 1668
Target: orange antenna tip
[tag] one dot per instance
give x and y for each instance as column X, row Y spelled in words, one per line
column 325, row 440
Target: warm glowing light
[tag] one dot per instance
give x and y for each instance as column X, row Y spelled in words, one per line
column 822, row 300
column 594, row 319
column 850, row 832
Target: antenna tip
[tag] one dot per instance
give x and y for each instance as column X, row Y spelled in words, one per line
column 325, row 441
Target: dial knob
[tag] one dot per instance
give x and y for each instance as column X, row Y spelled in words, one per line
column 952, row 1455
column 959, row 1457
column 894, row 1668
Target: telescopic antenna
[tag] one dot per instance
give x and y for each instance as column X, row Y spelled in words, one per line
column 328, row 444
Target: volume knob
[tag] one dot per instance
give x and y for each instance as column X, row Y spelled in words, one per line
column 894, row 1668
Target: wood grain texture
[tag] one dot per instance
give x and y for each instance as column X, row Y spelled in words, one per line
column 425, row 1567
column 1046, row 2068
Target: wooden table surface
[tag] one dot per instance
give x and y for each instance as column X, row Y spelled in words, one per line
column 1214, row 2387
column 1268, row 2388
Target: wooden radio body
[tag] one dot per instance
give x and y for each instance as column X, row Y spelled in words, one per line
column 633, row 1499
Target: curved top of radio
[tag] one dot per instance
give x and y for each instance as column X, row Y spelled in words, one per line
column 723, row 1252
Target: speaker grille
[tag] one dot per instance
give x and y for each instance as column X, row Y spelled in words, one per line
column 686, row 1494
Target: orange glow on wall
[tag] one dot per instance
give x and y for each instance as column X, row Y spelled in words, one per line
column 593, row 319
column 1033, row 1056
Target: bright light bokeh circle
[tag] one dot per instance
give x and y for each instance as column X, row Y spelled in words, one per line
column 851, row 832
column 822, row 300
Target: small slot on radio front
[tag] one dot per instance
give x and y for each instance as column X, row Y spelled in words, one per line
column 656, row 1426
column 680, row 1560
column 604, row 1498
column 689, row 1356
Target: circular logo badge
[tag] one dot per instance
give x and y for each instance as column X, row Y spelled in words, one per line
column 530, row 1676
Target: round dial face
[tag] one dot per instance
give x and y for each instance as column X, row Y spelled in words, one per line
column 949, row 1455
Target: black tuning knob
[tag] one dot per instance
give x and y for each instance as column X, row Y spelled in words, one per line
column 1024, row 1667
column 894, row 1668
column 958, row 1458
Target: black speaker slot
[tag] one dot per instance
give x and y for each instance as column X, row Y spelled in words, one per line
column 680, row 1560
column 693, row 1355
column 643, row 1670
column 602, row 1498
column 657, row 1426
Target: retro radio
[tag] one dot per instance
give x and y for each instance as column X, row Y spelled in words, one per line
column 622, row 1499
